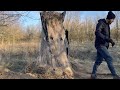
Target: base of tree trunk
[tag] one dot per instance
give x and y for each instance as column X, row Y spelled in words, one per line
column 48, row 72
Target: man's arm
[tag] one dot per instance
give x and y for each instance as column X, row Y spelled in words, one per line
column 98, row 33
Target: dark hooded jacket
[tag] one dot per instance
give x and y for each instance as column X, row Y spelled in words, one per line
column 102, row 34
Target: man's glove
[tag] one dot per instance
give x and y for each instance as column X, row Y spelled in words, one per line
column 112, row 42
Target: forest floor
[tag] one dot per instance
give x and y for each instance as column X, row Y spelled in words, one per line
column 15, row 59
column 84, row 55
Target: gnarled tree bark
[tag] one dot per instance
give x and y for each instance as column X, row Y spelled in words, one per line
column 53, row 49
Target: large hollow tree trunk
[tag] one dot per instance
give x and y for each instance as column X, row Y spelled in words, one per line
column 53, row 49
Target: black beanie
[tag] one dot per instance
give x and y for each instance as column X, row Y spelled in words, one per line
column 110, row 15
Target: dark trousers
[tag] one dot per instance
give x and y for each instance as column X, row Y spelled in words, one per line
column 102, row 53
column 67, row 51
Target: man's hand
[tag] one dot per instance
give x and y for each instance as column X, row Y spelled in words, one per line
column 112, row 42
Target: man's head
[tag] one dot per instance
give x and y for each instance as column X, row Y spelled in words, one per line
column 110, row 17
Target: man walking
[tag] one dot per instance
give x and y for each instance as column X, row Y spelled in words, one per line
column 102, row 41
column 67, row 42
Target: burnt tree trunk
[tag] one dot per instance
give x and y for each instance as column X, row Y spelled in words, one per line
column 53, row 47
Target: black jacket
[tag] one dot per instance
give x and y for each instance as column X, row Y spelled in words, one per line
column 102, row 33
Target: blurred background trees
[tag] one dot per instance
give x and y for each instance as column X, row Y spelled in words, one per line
column 80, row 31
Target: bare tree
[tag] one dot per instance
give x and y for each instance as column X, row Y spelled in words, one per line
column 8, row 17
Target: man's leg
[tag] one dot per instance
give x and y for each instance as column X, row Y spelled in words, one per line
column 106, row 55
column 67, row 51
column 97, row 63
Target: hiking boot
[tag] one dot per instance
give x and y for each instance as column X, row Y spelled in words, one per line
column 93, row 76
column 116, row 77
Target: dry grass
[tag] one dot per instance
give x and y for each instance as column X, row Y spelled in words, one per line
column 82, row 57
column 20, row 62
column 16, row 62
column 17, row 56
